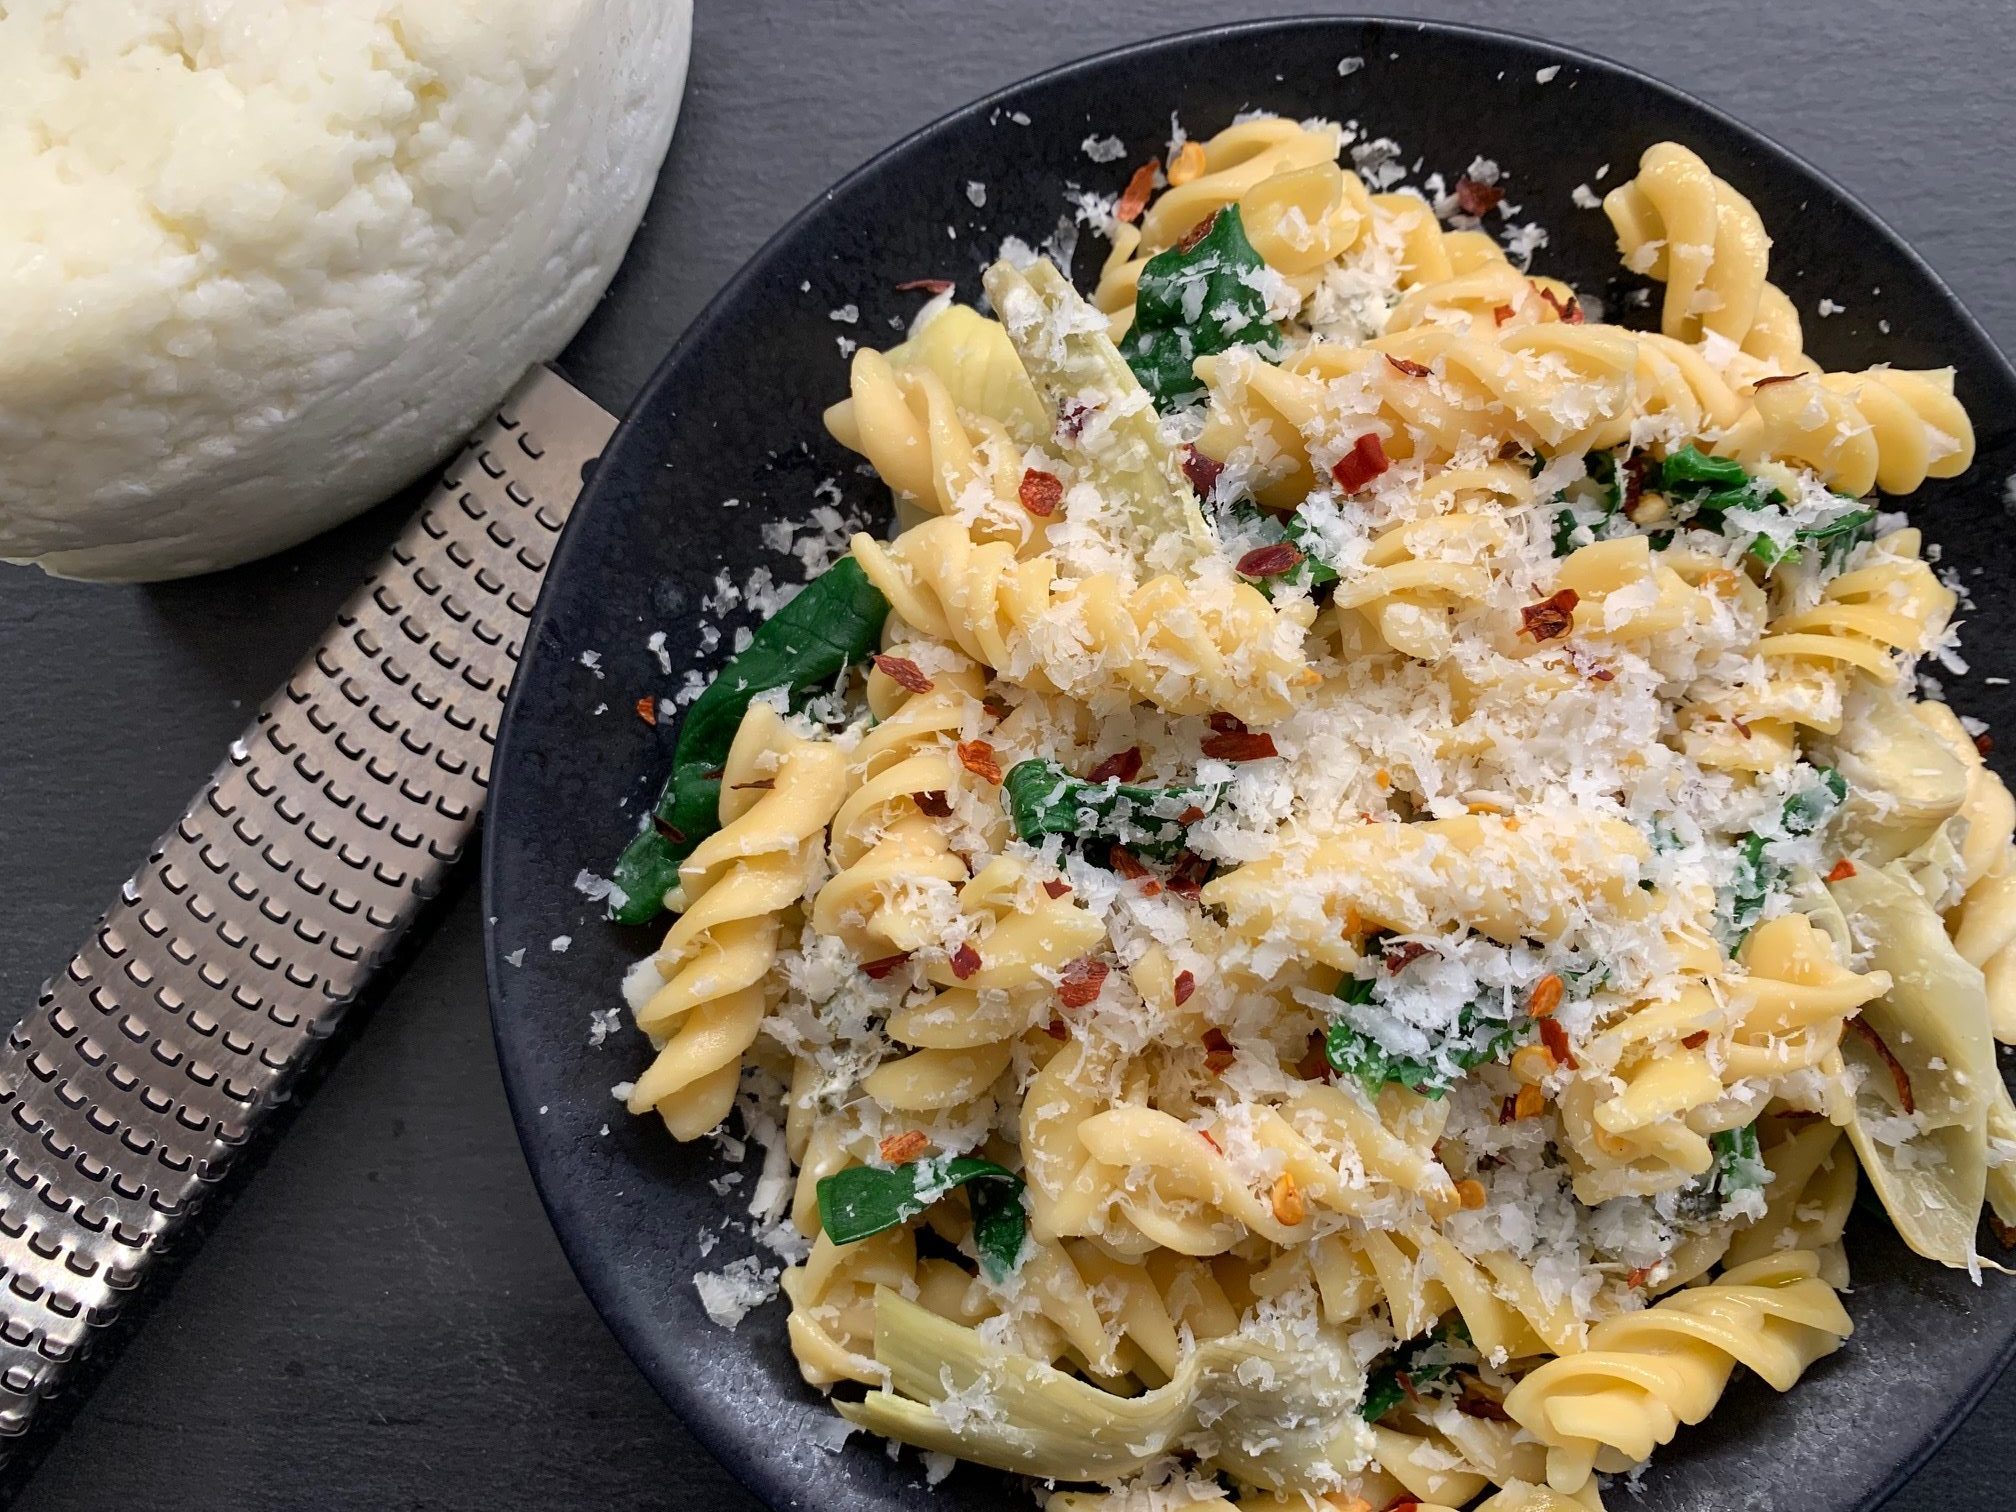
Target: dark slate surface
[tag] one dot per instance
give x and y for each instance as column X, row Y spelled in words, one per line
column 382, row 1319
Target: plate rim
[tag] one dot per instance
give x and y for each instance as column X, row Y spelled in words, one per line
column 724, row 1438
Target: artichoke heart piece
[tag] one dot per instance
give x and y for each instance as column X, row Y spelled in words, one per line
column 1277, row 1414
column 1105, row 420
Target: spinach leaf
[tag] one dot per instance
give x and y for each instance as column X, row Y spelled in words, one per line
column 1427, row 1362
column 865, row 1200
column 1196, row 300
column 1738, row 1169
column 1475, row 1040
column 1044, row 799
column 1757, row 877
column 834, row 622
column 1595, row 501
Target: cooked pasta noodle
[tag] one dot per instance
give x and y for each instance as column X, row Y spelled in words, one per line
column 1347, row 929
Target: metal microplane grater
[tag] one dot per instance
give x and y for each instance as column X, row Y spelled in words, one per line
column 260, row 916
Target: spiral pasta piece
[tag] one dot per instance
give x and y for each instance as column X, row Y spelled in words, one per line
column 778, row 794
column 1645, row 1373
column 1886, row 428
column 1185, row 648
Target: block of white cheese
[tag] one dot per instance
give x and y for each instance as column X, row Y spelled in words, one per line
column 262, row 262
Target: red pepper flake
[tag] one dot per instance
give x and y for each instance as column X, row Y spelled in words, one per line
column 1186, row 879
column 1401, row 954
column 1205, row 1135
column 1218, row 1052
column 1551, row 618
column 924, row 286
column 1638, row 1276
column 1202, row 471
column 1475, row 197
column 1898, row 1074
column 1041, row 492
column 1227, row 724
column 1696, row 1040
column 1502, row 313
column 1243, row 745
column 1057, row 1029
column 1508, row 1110
column 1570, row 312
column 1843, row 870
column 1071, row 417
column 1555, row 1038
column 1185, row 984
column 978, row 757
column 903, row 672
column 1360, row 465
column 876, row 971
column 1984, row 742
column 1777, row 378
column 1198, row 232
column 1190, row 815
column 1125, row 765
column 1636, row 466
column 1079, row 982
column 936, row 803
column 1125, row 863
column 2005, row 1233
column 1411, row 369
column 965, row 961
column 761, row 785
column 1134, row 198
column 1269, row 561
column 668, row 831
column 901, row 1149
column 1479, row 1401
column 1545, row 996
column 1403, row 1504
column 1315, row 1064
column 1056, row 887
column 647, row 709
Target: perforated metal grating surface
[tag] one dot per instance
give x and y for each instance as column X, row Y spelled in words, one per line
column 262, row 914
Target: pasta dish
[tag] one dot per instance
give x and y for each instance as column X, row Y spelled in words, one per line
column 1334, row 916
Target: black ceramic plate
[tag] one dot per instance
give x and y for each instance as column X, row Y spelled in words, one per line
column 733, row 415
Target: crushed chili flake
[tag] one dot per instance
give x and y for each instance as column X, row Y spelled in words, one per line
column 1205, row 1135
column 1057, row 1029
column 1202, row 471
column 760, row 785
column 1898, row 1074
column 1056, row 887
column 1843, row 870
column 965, row 961
column 1555, row 1037
column 1695, row 1040
column 1636, row 466
column 1638, row 1276
column 1478, row 1400
column 1502, row 313
column 1186, row 164
column 978, row 757
column 875, row 971
column 1190, row 815
column 1122, row 765
column 924, row 286
column 668, row 831
column 1187, row 877
column 1551, row 618
column 1125, row 863
column 1041, row 492
column 1984, row 743
column 1570, row 311
column 1227, row 724
column 1365, row 461
column 900, row 1149
column 1269, row 561
column 1545, row 996
column 1777, row 378
column 936, row 803
column 903, row 672
column 1402, row 1504
column 2005, row 1233
column 1411, row 369
column 1079, row 982
column 1508, row 1110
column 647, row 709
column 1197, row 232
column 996, row 706
column 1134, row 198
column 1185, row 984
column 1071, row 417
column 1401, row 954
column 1218, row 1052
column 1475, row 197
column 1245, row 745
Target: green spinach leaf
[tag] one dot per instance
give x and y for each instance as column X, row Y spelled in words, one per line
column 864, row 1200
column 1044, row 799
column 1196, row 300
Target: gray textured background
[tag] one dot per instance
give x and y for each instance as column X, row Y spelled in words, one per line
column 383, row 1320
